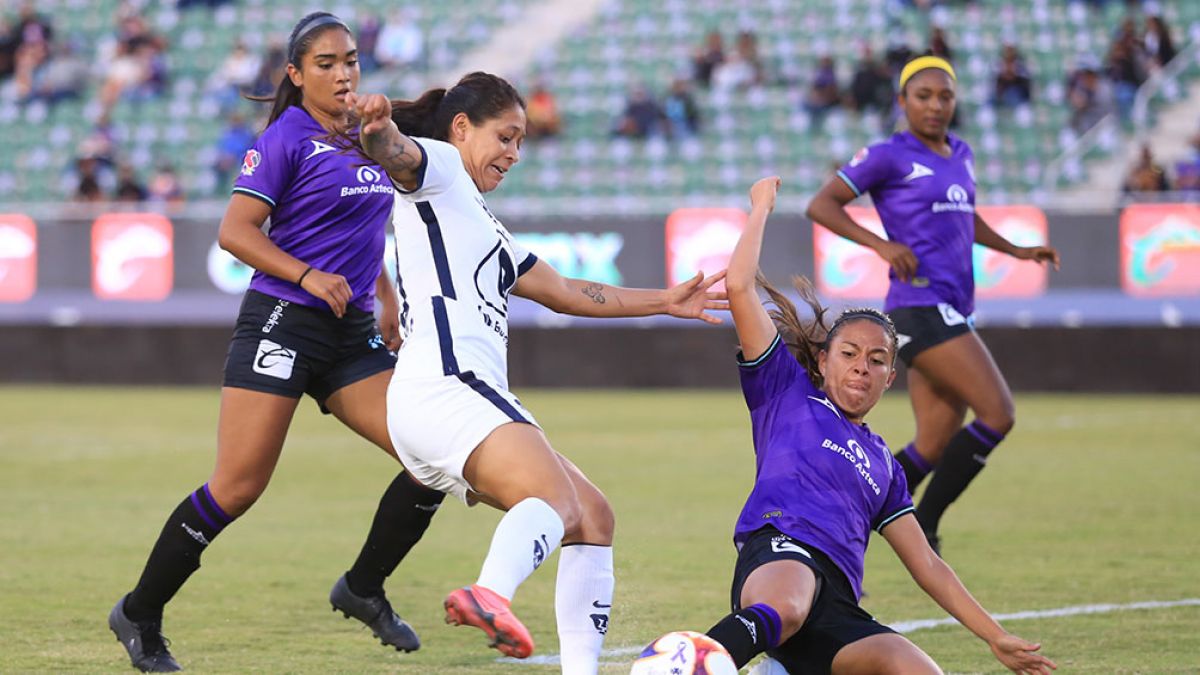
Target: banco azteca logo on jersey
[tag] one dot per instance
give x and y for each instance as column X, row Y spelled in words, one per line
column 856, row 456
column 370, row 182
column 957, row 199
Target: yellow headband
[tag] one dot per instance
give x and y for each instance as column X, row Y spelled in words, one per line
column 923, row 62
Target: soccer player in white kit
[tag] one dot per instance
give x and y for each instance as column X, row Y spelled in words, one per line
column 452, row 419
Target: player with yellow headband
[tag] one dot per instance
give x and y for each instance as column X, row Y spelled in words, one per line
column 922, row 182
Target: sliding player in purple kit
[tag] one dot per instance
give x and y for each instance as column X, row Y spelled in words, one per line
column 922, row 182
column 823, row 481
column 306, row 326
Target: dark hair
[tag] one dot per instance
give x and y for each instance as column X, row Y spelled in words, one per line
column 806, row 338
column 482, row 96
column 303, row 35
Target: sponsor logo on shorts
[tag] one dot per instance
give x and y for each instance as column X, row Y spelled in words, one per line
column 902, row 340
column 274, row 360
column 782, row 544
column 950, row 316
column 276, row 315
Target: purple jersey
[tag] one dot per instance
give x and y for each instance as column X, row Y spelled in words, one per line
column 327, row 209
column 818, row 477
column 926, row 202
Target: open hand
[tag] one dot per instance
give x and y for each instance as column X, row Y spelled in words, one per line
column 1042, row 254
column 1021, row 656
column 690, row 299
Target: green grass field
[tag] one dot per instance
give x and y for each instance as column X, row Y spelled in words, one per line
column 1091, row 500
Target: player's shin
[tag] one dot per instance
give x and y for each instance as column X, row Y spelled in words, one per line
column 176, row 554
column 582, row 605
column 524, row 538
column 748, row 632
column 404, row 513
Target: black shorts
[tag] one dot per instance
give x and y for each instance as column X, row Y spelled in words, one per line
column 835, row 619
column 280, row 347
column 919, row 328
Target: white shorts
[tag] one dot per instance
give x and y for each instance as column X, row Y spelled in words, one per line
column 437, row 422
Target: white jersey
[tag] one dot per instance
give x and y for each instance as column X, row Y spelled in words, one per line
column 456, row 264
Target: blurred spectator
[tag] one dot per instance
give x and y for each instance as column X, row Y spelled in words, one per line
column 708, row 57
column 1159, row 46
column 680, row 110
column 211, row 4
column 164, row 185
column 1147, row 175
column 643, row 116
column 938, row 45
column 1126, row 72
column 63, row 76
column 271, row 71
column 129, row 188
column 1014, row 86
column 822, row 92
column 541, row 113
column 32, row 47
column 236, row 75
column 137, row 68
column 742, row 69
column 897, row 55
column 1089, row 96
column 400, row 43
column 88, row 181
column 236, row 138
column 871, row 86
column 8, row 47
column 368, row 41
column 1187, row 172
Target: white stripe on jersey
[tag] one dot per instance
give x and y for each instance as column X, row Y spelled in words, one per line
column 456, row 264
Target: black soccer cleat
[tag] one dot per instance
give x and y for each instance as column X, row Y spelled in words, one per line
column 377, row 613
column 143, row 640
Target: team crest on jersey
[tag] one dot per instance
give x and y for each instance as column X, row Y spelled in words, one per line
column 250, row 162
column 859, row 157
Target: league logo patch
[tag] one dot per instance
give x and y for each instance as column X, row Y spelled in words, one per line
column 250, row 162
column 859, row 157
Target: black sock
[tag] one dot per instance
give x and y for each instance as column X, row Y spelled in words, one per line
column 748, row 632
column 915, row 466
column 965, row 457
column 402, row 517
column 188, row 531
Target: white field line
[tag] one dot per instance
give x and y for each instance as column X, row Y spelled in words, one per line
column 922, row 624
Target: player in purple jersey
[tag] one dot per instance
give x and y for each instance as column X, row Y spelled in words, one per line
column 823, row 481
column 922, row 182
column 306, row 326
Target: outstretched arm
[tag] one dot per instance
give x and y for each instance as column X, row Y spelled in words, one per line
column 580, row 297
column 936, row 578
column 986, row 236
column 381, row 139
column 754, row 327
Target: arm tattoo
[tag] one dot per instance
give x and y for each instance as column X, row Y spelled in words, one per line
column 595, row 292
column 393, row 150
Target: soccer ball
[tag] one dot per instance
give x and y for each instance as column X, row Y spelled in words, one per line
column 684, row 653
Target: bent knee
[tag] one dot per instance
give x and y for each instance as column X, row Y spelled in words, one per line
column 1001, row 420
column 235, row 497
column 793, row 612
column 598, row 522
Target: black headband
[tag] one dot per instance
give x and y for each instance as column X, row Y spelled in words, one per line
column 325, row 20
column 850, row 315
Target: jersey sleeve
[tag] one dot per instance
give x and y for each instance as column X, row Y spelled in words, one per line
column 765, row 377
column 898, row 501
column 268, row 168
column 441, row 165
column 525, row 258
column 871, row 167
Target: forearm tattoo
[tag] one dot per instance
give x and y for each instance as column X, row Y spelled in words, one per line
column 394, row 152
column 595, row 292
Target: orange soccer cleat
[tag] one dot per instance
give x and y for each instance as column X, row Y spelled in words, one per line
column 488, row 611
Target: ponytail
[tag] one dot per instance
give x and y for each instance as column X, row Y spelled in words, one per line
column 420, row 118
column 286, row 96
column 804, row 339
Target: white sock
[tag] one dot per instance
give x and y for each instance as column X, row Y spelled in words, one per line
column 524, row 538
column 582, row 603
